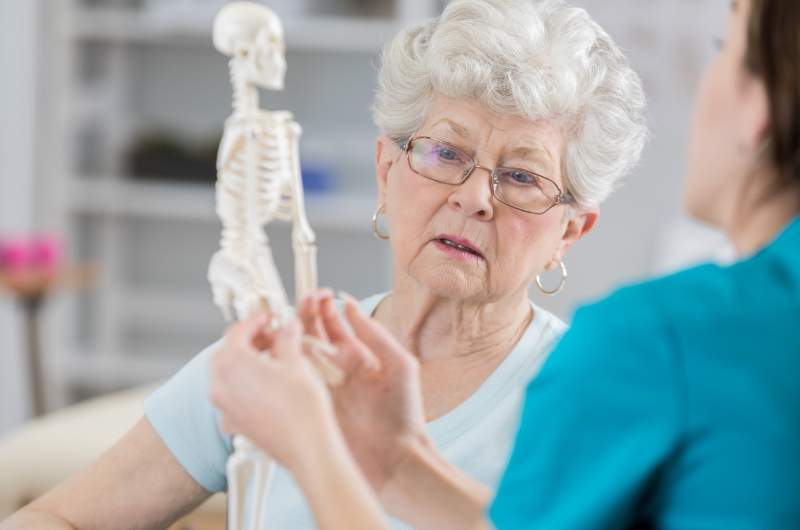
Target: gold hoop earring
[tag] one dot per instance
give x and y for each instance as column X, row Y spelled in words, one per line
column 560, row 285
column 375, row 229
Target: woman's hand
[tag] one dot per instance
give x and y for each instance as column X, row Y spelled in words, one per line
column 281, row 404
column 277, row 400
column 379, row 404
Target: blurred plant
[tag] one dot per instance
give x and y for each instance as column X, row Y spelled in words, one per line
column 31, row 267
column 371, row 8
column 162, row 155
column 165, row 156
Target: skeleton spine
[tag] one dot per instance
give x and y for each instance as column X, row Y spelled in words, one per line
column 245, row 95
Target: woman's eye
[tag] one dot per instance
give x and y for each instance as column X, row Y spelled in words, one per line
column 521, row 177
column 448, row 155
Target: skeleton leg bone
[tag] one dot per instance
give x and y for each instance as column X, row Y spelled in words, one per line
column 240, row 471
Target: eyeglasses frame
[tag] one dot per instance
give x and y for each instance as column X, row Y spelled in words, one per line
column 561, row 197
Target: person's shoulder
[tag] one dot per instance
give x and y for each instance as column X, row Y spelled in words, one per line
column 705, row 279
column 649, row 305
column 715, row 293
column 621, row 343
column 642, row 317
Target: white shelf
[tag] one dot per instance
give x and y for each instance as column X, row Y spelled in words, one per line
column 334, row 33
column 105, row 372
column 178, row 310
column 112, row 197
column 195, row 202
column 350, row 212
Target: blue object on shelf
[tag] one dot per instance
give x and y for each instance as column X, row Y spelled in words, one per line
column 317, row 179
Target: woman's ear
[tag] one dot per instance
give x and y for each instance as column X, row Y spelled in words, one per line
column 385, row 156
column 577, row 226
column 755, row 115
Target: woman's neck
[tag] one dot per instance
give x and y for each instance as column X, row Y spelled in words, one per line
column 436, row 328
column 766, row 219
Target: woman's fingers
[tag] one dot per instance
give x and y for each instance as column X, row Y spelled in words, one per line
column 332, row 321
column 308, row 313
column 287, row 341
column 305, row 312
column 320, row 320
column 377, row 338
column 350, row 348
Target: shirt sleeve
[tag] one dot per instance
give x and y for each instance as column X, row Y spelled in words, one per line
column 184, row 418
column 597, row 426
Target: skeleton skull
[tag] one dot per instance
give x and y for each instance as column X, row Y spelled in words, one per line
column 253, row 34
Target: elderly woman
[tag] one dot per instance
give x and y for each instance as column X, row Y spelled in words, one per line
column 672, row 404
column 505, row 125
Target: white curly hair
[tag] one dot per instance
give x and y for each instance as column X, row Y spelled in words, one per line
column 538, row 59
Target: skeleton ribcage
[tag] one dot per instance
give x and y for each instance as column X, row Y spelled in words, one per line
column 272, row 161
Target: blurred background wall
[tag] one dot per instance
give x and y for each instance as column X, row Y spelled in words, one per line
column 111, row 112
column 19, row 62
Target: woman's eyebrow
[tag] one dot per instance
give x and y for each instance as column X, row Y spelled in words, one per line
column 537, row 153
column 460, row 130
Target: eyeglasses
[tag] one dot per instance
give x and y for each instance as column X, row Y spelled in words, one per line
column 520, row 189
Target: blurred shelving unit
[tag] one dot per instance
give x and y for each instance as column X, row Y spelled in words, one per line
column 119, row 68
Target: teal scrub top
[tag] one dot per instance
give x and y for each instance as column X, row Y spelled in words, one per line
column 673, row 404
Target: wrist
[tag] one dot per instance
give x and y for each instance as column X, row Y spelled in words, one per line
column 319, row 447
column 416, row 459
column 428, row 492
column 336, row 490
column 299, row 439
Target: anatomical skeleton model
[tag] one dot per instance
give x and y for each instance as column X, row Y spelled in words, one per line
column 258, row 181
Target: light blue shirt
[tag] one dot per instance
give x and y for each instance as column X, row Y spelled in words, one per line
column 673, row 404
column 476, row 436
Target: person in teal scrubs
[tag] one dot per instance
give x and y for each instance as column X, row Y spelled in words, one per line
column 671, row 404
column 675, row 404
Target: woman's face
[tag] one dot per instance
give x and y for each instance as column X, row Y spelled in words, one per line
column 727, row 130
column 513, row 246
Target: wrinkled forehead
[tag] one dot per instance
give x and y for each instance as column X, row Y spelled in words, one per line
column 537, row 145
column 467, row 124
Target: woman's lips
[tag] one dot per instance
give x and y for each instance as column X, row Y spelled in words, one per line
column 457, row 246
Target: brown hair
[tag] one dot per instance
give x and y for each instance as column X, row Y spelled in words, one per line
column 773, row 54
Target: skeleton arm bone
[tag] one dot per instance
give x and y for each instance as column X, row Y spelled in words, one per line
column 303, row 239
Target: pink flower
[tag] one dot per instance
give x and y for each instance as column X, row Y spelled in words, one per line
column 45, row 252
column 41, row 253
column 14, row 255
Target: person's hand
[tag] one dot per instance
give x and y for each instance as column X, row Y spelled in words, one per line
column 277, row 400
column 379, row 403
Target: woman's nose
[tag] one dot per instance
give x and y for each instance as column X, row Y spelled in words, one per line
column 474, row 197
